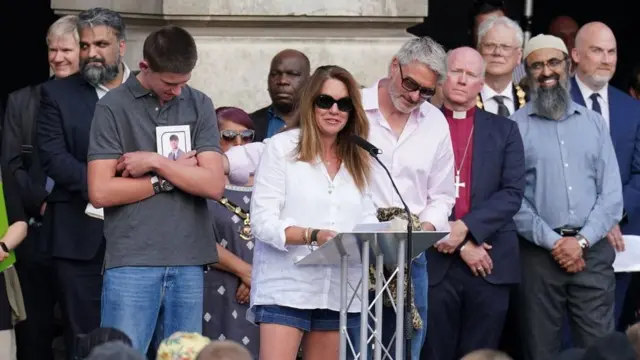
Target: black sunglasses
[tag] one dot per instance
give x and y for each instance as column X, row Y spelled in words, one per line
column 326, row 102
column 411, row 85
column 230, row 135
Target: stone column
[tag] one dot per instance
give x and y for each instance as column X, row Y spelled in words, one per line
column 237, row 38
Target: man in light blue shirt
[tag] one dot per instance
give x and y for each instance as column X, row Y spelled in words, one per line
column 573, row 197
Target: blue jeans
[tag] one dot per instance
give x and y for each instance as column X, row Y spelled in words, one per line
column 304, row 319
column 137, row 300
column 420, row 282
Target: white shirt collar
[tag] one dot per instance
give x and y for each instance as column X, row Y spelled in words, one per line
column 587, row 92
column 488, row 93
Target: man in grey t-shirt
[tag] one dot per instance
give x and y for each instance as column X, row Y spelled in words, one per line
column 158, row 235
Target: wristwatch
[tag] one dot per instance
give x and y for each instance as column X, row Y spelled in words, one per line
column 4, row 247
column 160, row 185
column 156, row 185
column 584, row 243
column 166, row 186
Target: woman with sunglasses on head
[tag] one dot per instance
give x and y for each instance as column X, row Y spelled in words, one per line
column 311, row 184
column 227, row 284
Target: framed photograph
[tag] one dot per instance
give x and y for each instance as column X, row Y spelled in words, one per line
column 173, row 141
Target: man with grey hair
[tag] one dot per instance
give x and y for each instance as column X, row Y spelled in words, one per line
column 415, row 142
column 573, row 197
column 470, row 272
column 76, row 240
column 19, row 158
column 500, row 42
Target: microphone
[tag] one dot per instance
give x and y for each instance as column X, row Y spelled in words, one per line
column 364, row 144
column 408, row 327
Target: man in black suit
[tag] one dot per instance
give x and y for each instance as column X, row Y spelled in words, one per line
column 19, row 157
column 469, row 272
column 66, row 110
column 289, row 71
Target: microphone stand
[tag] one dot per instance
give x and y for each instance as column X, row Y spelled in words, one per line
column 408, row 327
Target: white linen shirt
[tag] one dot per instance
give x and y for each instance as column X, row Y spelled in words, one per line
column 287, row 193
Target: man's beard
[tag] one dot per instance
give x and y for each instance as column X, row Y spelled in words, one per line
column 396, row 99
column 551, row 103
column 100, row 75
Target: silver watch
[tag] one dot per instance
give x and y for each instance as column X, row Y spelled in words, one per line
column 584, row 243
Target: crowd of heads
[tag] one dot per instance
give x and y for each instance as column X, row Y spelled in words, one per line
column 109, row 343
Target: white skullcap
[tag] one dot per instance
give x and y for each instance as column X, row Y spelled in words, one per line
column 543, row 41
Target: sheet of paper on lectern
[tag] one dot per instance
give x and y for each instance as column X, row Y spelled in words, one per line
column 629, row 259
column 373, row 227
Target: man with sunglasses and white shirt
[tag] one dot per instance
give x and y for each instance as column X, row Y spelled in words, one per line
column 416, row 148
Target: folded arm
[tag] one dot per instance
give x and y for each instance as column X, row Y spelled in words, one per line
column 105, row 148
column 108, row 190
column 490, row 215
column 60, row 165
column 440, row 188
column 607, row 211
column 205, row 180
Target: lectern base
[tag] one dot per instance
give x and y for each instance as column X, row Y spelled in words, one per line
column 386, row 248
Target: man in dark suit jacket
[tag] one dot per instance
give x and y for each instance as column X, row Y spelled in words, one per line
column 469, row 272
column 289, row 70
column 595, row 58
column 63, row 124
column 19, row 156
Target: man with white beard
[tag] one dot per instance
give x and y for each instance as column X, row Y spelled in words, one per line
column 573, row 197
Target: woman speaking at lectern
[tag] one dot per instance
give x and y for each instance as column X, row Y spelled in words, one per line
column 311, row 184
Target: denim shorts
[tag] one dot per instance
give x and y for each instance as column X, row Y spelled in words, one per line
column 303, row 319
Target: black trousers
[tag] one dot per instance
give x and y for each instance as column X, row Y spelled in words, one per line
column 79, row 285
column 631, row 304
column 465, row 313
column 34, row 336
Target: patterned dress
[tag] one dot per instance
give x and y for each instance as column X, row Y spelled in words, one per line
column 224, row 318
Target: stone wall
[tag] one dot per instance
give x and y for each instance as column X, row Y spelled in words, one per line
column 237, row 38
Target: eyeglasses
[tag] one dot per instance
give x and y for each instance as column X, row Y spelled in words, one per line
column 553, row 64
column 489, row 48
column 411, row 85
column 230, row 135
column 326, row 102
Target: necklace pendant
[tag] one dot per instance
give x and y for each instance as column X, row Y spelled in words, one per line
column 245, row 230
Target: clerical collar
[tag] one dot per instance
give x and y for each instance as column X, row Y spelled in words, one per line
column 459, row 115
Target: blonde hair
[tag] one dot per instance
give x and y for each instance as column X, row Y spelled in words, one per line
column 182, row 346
column 356, row 160
column 66, row 25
